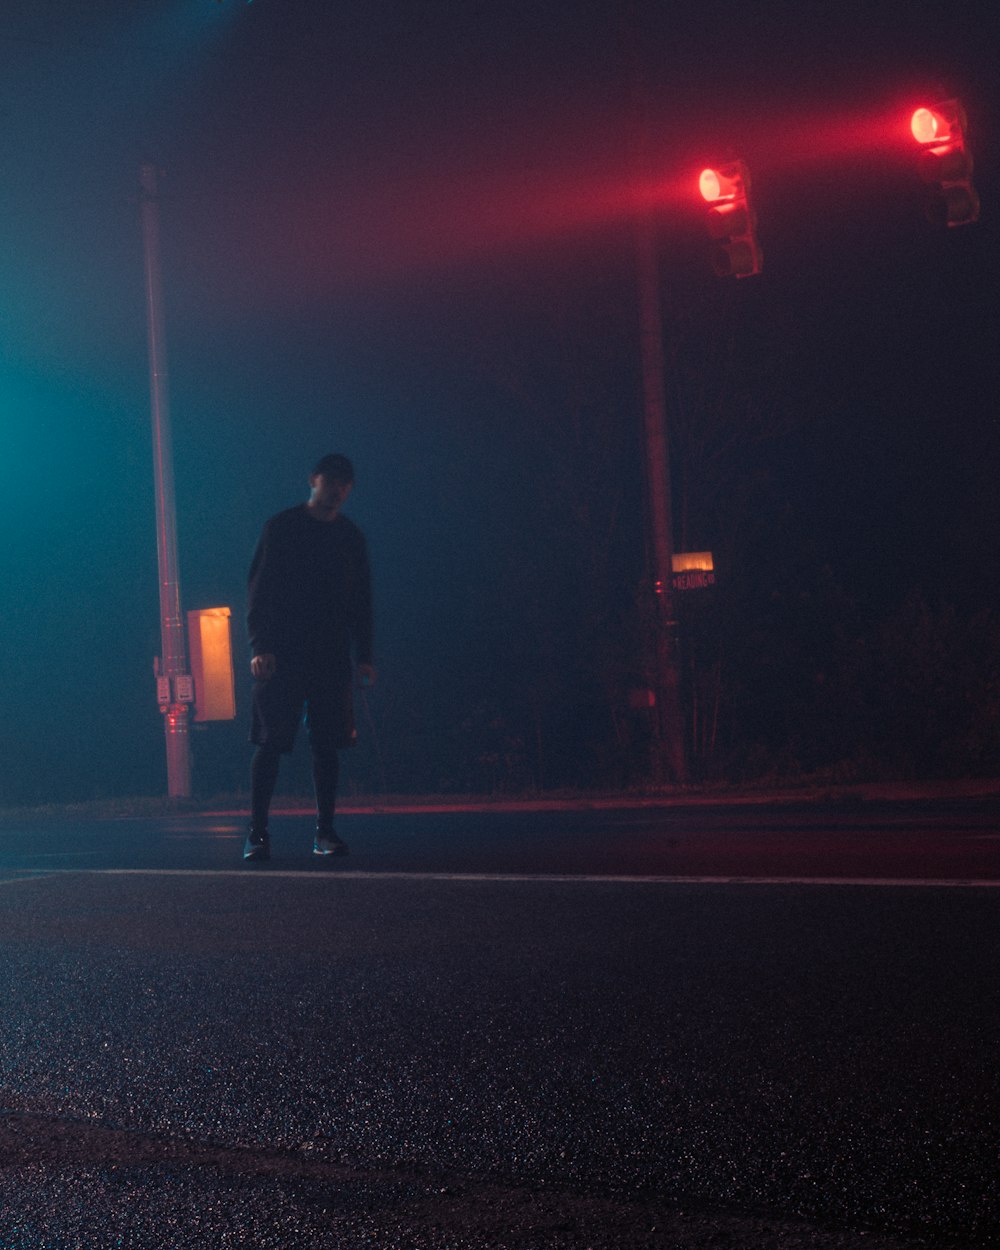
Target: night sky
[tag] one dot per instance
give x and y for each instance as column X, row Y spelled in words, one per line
column 402, row 231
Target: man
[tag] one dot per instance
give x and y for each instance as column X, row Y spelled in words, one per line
column 309, row 602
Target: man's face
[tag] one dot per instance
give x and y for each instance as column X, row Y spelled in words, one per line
column 329, row 494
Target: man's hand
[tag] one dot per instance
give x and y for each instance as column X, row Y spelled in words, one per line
column 367, row 676
column 262, row 666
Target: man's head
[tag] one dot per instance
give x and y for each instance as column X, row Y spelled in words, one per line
column 330, row 484
column 334, row 465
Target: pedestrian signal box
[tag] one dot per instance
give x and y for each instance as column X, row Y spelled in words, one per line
column 211, row 650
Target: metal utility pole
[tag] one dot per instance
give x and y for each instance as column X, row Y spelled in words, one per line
column 173, row 680
column 670, row 758
column 669, row 754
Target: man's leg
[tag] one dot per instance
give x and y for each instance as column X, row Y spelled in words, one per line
column 330, row 722
column 326, row 774
column 263, row 779
column 277, row 707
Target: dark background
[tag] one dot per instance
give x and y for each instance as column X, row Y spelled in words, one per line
column 403, row 232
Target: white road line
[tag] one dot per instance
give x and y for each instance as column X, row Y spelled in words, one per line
column 260, row 873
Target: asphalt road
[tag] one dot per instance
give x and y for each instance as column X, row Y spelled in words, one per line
column 505, row 1029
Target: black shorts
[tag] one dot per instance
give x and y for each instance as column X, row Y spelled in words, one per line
column 325, row 697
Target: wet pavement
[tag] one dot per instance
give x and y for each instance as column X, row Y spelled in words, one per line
column 195, row 1053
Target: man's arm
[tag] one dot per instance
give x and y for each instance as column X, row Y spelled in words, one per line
column 261, row 593
column 364, row 621
column 262, row 666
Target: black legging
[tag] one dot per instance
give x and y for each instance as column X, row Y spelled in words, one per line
column 326, row 775
column 264, row 776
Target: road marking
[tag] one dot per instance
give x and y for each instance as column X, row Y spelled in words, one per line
column 57, row 854
column 257, row 873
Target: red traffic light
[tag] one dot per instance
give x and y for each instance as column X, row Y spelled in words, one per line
column 731, row 221
column 722, row 184
column 929, row 126
column 945, row 162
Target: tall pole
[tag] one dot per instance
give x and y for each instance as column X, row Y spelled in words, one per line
column 669, row 754
column 670, row 759
column 174, row 681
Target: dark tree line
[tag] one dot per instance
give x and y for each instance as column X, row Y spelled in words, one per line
column 793, row 666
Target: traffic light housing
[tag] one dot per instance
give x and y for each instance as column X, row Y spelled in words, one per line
column 731, row 221
column 945, row 163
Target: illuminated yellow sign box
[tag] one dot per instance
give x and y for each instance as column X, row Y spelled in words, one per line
column 210, row 644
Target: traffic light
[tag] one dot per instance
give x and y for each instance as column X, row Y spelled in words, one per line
column 731, row 220
column 945, row 162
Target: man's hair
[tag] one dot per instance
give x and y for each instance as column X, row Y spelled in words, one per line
column 335, row 465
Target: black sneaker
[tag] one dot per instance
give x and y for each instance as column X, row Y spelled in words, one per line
column 258, row 845
column 328, row 843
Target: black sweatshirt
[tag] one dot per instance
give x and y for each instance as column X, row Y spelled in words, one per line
column 309, row 592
